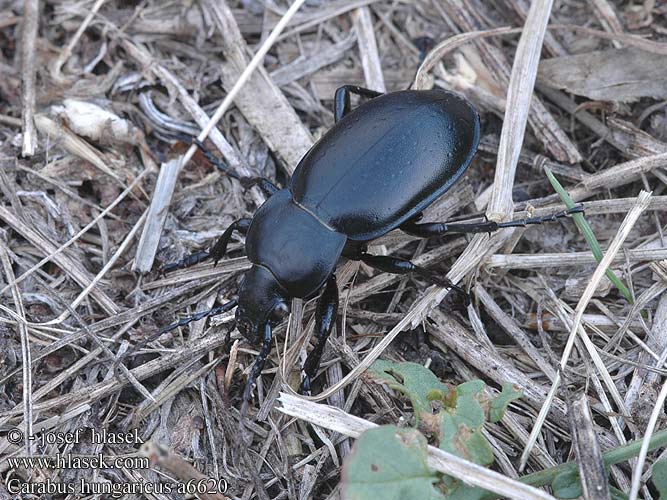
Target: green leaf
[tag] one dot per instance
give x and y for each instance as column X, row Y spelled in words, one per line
column 470, row 397
column 617, row 494
column 659, row 478
column 464, row 492
column 567, row 485
column 470, row 388
column 389, row 463
column 461, row 425
column 416, row 382
column 509, row 393
column 455, row 417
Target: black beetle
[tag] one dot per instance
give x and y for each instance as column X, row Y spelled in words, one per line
column 374, row 171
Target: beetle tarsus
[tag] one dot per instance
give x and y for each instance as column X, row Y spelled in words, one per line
column 430, row 229
column 443, row 282
column 577, row 209
column 424, row 44
column 304, row 388
column 395, row 265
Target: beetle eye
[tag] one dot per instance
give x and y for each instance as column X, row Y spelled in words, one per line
column 280, row 311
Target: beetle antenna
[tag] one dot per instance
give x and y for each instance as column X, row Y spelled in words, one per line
column 190, row 139
column 197, row 316
column 214, row 159
column 187, row 261
column 211, row 312
column 256, row 370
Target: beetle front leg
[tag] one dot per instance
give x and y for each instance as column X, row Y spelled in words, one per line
column 220, row 248
column 394, row 265
column 342, row 98
column 216, row 253
column 256, row 369
column 325, row 318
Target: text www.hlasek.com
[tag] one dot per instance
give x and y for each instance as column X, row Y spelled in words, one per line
column 68, row 461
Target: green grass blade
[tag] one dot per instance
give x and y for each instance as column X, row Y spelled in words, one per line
column 587, row 232
column 612, row 457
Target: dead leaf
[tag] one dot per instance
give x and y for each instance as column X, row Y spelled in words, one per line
column 608, row 75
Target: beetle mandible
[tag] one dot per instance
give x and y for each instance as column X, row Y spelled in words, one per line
column 374, row 171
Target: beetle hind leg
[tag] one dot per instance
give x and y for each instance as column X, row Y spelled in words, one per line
column 394, row 265
column 342, row 98
column 577, row 209
column 429, row 229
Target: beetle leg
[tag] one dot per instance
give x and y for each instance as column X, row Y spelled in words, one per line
column 394, row 265
column 428, row 229
column 325, row 318
column 424, row 44
column 342, row 98
column 577, row 209
column 220, row 248
column 216, row 253
column 256, row 369
column 264, row 184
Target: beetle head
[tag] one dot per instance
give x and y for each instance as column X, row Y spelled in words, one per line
column 261, row 300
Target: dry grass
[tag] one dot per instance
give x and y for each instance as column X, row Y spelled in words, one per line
column 94, row 201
